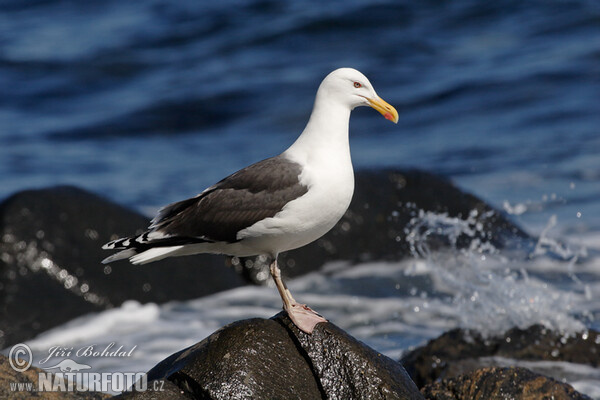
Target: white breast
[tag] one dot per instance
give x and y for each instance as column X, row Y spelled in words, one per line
column 330, row 182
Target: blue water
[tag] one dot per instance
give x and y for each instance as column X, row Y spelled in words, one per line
column 149, row 102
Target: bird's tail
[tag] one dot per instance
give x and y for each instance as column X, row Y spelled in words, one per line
column 137, row 250
column 128, row 253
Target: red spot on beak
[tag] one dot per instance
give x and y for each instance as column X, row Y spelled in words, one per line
column 388, row 116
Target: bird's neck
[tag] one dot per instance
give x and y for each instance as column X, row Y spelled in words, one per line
column 326, row 132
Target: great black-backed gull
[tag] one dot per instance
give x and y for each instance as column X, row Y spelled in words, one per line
column 275, row 205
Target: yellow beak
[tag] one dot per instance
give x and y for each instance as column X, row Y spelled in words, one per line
column 384, row 108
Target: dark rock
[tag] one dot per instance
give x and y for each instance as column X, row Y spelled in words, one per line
column 30, row 377
column 501, row 383
column 458, row 351
column 347, row 368
column 384, row 208
column 272, row 359
column 161, row 390
column 254, row 358
column 52, row 238
column 50, row 269
column 51, row 246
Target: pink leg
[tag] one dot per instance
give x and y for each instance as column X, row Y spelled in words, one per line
column 300, row 314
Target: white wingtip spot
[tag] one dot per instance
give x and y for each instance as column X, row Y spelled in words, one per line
column 119, row 256
column 155, row 235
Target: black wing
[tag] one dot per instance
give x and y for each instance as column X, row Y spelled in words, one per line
column 237, row 202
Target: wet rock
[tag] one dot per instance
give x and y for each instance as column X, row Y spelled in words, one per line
column 385, row 209
column 50, row 270
column 162, row 390
column 461, row 351
column 501, row 383
column 24, row 385
column 51, row 246
column 272, row 359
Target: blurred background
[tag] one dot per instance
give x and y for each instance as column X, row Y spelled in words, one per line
column 502, row 97
column 149, row 102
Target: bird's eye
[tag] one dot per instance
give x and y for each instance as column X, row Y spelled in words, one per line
column 357, row 85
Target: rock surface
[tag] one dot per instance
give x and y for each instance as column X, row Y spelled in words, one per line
column 51, row 246
column 500, row 384
column 272, row 359
column 385, row 207
column 51, row 241
column 458, row 351
column 9, row 376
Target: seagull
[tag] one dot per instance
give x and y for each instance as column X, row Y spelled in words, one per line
column 275, row 205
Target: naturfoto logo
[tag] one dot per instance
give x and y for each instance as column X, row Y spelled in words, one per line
column 71, row 375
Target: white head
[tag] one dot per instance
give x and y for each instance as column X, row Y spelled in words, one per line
column 351, row 88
